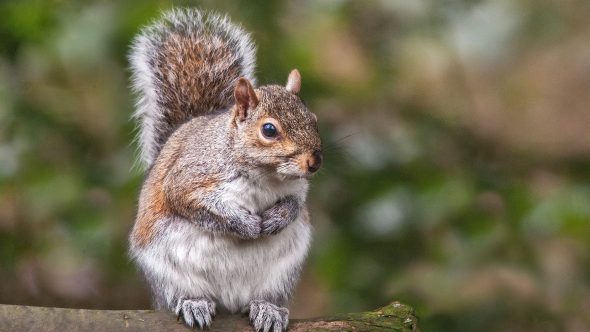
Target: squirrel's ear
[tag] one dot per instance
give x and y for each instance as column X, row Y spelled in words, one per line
column 294, row 82
column 246, row 99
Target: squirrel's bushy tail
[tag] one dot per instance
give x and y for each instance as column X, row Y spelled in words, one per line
column 184, row 65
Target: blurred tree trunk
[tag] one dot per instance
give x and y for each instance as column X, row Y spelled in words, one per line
column 393, row 317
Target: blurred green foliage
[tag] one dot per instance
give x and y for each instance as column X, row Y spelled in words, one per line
column 457, row 173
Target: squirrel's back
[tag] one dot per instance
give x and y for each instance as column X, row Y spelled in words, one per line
column 184, row 65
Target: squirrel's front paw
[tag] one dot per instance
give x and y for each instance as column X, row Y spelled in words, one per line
column 272, row 225
column 266, row 316
column 248, row 227
column 199, row 312
column 279, row 215
column 275, row 219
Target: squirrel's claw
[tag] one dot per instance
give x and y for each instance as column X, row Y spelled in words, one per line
column 266, row 316
column 272, row 226
column 199, row 312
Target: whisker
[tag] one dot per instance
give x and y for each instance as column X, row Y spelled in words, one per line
column 339, row 140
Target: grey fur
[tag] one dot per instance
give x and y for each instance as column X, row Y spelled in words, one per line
column 280, row 215
column 266, row 317
column 239, row 222
column 222, row 216
column 196, row 312
column 246, row 225
column 166, row 96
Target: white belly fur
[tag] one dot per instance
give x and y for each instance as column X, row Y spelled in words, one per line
column 190, row 262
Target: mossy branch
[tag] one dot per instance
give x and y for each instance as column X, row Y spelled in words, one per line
column 393, row 317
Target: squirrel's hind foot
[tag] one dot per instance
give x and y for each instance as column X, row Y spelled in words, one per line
column 196, row 312
column 266, row 317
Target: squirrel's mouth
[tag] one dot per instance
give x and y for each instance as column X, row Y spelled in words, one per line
column 289, row 177
column 292, row 171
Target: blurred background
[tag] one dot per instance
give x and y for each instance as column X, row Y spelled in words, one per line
column 456, row 133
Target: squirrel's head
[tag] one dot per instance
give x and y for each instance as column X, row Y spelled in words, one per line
column 275, row 130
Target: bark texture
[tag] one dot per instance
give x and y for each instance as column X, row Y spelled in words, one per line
column 393, row 317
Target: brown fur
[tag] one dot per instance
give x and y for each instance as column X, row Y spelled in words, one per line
column 213, row 171
column 297, row 122
column 153, row 203
column 175, row 187
column 201, row 143
column 297, row 127
column 185, row 65
column 185, row 68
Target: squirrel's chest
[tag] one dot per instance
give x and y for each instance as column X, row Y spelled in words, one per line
column 260, row 195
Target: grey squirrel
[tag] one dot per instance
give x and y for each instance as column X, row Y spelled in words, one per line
column 221, row 221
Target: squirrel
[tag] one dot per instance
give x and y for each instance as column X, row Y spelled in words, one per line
column 222, row 221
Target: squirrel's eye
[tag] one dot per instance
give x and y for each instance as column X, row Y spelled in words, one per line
column 269, row 130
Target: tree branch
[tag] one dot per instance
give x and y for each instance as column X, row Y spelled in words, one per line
column 393, row 317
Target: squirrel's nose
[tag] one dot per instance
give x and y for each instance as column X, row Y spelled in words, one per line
column 314, row 161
